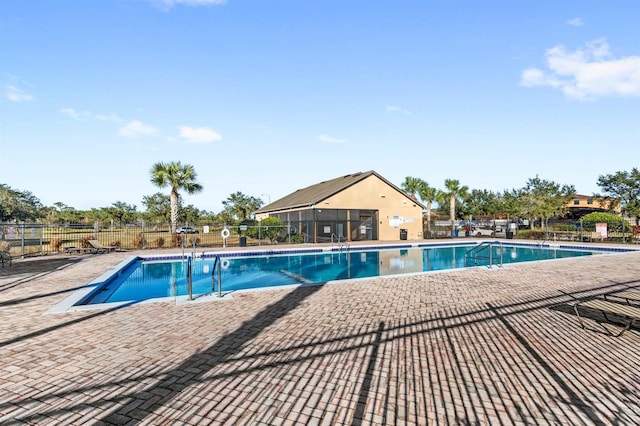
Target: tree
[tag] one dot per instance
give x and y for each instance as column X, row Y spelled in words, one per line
column 178, row 177
column 49, row 214
column 412, row 185
column 190, row 214
column 428, row 195
column 67, row 213
column 271, row 228
column 483, row 202
column 240, row 206
column 158, row 208
column 454, row 192
column 544, row 199
column 18, row 205
column 623, row 188
column 122, row 212
column 101, row 215
column 512, row 203
column 224, row 216
column 208, row 216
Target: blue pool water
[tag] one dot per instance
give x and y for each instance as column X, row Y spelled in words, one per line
column 143, row 279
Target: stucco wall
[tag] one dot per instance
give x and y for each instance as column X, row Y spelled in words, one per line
column 396, row 211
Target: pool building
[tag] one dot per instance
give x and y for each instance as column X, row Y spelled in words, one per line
column 362, row 206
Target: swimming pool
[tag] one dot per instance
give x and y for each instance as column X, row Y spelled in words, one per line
column 141, row 279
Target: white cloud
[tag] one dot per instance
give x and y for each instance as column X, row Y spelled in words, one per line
column 393, row 108
column 114, row 118
column 136, row 129
column 587, row 73
column 72, row 113
column 575, row 22
column 168, row 4
column 329, row 139
column 78, row 115
column 17, row 95
column 200, row 135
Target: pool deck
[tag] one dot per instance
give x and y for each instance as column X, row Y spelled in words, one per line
column 472, row 346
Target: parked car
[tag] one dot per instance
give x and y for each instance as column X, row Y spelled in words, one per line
column 483, row 232
column 186, row 230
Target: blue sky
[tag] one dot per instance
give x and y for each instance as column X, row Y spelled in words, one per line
column 269, row 96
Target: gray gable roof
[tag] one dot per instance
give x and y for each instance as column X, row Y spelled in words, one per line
column 319, row 192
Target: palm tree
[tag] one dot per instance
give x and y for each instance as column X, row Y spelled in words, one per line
column 178, row 177
column 428, row 195
column 454, row 190
column 412, row 185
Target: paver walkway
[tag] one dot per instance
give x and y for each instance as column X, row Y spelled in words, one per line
column 466, row 347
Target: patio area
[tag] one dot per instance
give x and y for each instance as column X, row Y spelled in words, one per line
column 474, row 346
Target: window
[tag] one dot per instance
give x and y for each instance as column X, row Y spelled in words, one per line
column 590, row 201
column 576, row 202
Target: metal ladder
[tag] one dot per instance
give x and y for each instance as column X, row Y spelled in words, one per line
column 217, row 267
column 475, row 251
column 341, row 244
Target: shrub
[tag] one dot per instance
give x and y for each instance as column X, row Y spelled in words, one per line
column 176, row 240
column 116, row 244
column 84, row 241
column 614, row 222
column 563, row 228
column 271, row 228
column 297, row 239
column 190, row 240
column 139, row 241
column 160, row 242
column 532, row 234
column 55, row 244
column 252, row 228
column 4, row 246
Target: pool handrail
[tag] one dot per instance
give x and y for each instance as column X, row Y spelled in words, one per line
column 190, row 278
column 339, row 240
column 217, row 265
column 482, row 246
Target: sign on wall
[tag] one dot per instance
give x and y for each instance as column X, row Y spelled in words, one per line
column 396, row 221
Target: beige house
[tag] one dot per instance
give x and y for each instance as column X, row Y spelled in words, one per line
column 357, row 207
column 581, row 205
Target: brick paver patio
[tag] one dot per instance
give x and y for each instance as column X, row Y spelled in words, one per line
column 466, row 347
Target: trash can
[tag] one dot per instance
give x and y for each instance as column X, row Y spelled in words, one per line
column 403, row 234
column 243, row 241
column 509, row 235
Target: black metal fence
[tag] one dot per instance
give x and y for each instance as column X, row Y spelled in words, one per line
column 31, row 239
column 553, row 230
